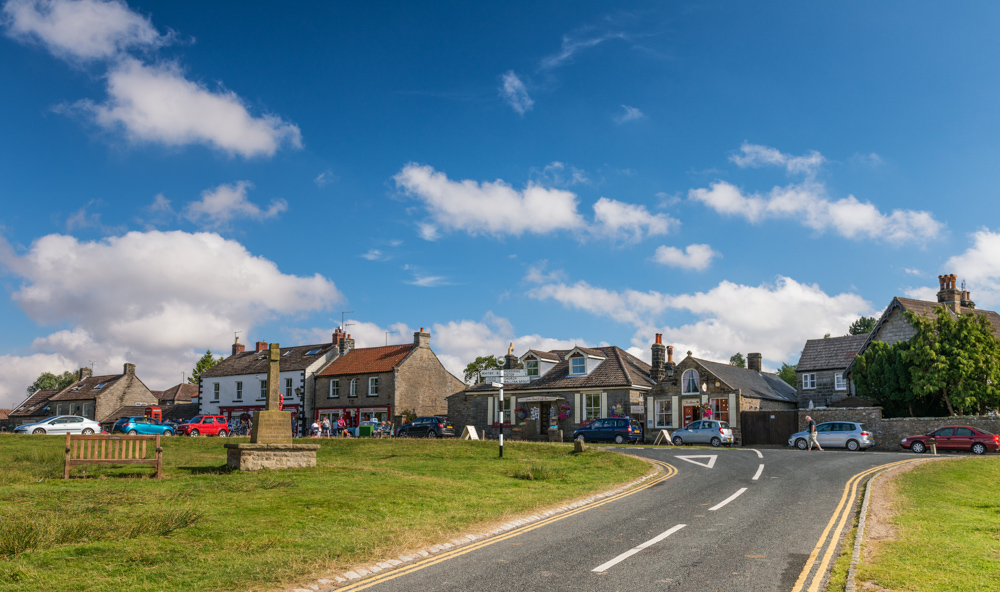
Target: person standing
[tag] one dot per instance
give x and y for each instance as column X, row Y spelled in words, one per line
column 326, row 427
column 813, row 439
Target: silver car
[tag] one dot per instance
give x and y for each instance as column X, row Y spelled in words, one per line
column 704, row 431
column 61, row 424
column 836, row 434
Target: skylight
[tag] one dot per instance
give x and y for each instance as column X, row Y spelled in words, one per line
column 286, row 353
column 313, row 352
column 100, row 386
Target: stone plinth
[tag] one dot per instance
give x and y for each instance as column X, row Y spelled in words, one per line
column 271, row 427
column 254, row 457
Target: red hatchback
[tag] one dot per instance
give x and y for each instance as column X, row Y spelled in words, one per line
column 955, row 438
column 204, row 425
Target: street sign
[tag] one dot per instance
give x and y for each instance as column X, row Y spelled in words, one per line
column 491, row 373
column 516, row 380
column 506, row 374
column 515, row 372
column 497, row 385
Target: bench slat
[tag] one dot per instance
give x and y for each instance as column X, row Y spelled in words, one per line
column 122, row 450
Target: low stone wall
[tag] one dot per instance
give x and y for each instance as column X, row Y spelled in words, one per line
column 254, row 457
column 888, row 432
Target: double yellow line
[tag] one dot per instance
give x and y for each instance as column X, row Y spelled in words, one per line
column 668, row 472
column 844, row 510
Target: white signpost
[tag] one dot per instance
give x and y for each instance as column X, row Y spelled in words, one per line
column 498, row 379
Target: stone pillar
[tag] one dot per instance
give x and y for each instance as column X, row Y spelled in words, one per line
column 272, row 426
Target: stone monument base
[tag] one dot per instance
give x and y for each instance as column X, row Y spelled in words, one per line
column 254, row 457
column 271, row 427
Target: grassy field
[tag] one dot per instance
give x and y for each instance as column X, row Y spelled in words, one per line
column 206, row 528
column 949, row 530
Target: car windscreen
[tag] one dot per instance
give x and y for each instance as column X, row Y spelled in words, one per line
column 196, row 419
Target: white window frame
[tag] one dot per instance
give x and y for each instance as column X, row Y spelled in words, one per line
column 239, row 390
column 263, row 390
column 716, row 407
column 809, row 381
column 288, row 388
column 334, row 389
column 531, row 366
column 354, row 388
column 664, row 414
column 839, row 382
column 686, row 378
column 591, row 406
column 86, row 410
column 573, row 371
column 216, row 389
column 373, row 386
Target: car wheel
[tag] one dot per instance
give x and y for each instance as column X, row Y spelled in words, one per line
column 716, row 442
column 432, row 434
column 801, row 444
column 87, row 431
column 133, row 433
column 194, row 433
column 38, row 431
column 400, row 434
column 678, row 441
column 168, row 433
column 619, row 439
column 853, row 445
column 979, row 448
column 223, row 433
column 918, row 447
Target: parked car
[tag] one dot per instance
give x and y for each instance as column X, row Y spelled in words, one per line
column 955, row 438
column 61, row 424
column 141, row 425
column 836, row 434
column 431, row 427
column 704, row 431
column 204, row 425
column 611, row 429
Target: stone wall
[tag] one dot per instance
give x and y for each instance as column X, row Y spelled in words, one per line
column 895, row 328
column 254, row 457
column 888, row 432
column 423, row 383
column 386, row 389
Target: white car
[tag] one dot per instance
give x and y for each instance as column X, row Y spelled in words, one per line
column 61, row 424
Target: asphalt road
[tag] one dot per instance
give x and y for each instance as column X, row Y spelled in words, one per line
column 733, row 519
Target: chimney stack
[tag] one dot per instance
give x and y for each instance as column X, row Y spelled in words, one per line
column 949, row 295
column 753, row 362
column 346, row 344
column 510, row 361
column 261, row 347
column 129, row 369
column 338, row 334
column 238, row 347
column 659, row 369
column 85, row 373
column 422, row 338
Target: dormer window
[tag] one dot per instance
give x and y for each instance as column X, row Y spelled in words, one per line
column 690, row 382
column 577, row 365
column 531, row 365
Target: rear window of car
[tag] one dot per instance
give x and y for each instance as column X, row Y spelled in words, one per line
column 964, row 432
column 864, row 428
column 723, row 425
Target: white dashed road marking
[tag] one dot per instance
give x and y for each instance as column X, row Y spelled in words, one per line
column 759, row 455
column 605, row 566
column 760, row 470
column 728, row 499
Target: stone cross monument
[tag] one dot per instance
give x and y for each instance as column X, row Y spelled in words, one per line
column 271, row 426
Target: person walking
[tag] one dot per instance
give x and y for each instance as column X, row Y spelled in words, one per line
column 812, row 434
column 326, row 427
column 340, row 426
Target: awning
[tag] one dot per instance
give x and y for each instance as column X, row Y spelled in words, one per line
column 539, row 399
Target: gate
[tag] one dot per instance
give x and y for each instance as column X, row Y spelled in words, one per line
column 768, row 427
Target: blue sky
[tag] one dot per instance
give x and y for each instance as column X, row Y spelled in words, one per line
column 737, row 177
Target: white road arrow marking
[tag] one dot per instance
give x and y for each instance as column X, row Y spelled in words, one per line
column 605, row 566
column 708, row 465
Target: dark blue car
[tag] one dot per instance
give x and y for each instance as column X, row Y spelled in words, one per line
column 143, row 426
column 612, row 429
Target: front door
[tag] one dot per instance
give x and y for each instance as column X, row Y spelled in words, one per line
column 543, row 418
column 690, row 412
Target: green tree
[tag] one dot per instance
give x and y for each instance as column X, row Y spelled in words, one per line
column 737, row 360
column 882, row 375
column 787, row 373
column 862, row 326
column 955, row 360
column 48, row 381
column 206, row 362
column 475, row 368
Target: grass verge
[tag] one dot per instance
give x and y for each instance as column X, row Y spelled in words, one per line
column 204, row 527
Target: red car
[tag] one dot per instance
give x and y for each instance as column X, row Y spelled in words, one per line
column 955, row 438
column 204, row 425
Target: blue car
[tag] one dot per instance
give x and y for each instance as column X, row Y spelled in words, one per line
column 142, row 426
column 612, row 429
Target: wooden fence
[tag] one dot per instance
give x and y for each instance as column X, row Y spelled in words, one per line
column 113, row 450
column 768, row 427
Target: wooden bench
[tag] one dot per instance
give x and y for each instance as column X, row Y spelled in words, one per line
column 113, row 450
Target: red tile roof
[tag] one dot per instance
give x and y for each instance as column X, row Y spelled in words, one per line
column 368, row 360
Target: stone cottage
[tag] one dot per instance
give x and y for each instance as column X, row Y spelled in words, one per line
column 34, row 408
column 819, row 374
column 99, row 397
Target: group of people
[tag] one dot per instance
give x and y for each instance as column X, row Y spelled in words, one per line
column 331, row 429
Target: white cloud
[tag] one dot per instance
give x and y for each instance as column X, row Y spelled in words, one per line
column 429, row 281
column 979, row 266
column 81, row 29
column 558, row 174
column 628, row 114
column 325, row 178
column 628, row 222
column 697, row 257
column 374, row 255
column 756, row 156
column 158, row 104
column 912, row 271
column 157, row 299
column 921, row 293
column 537, row 273
column 571, row 45
column 629, row 306
column 220, row 206
column 17, row 373
column 807, row 203
column 513, row 91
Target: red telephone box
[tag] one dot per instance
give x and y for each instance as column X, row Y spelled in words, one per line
column 154, row 412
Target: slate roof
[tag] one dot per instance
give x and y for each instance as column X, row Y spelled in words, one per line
column 85, row 389
column 619, row 369
column 33, row 405
column 368, row 360
column 543, row 355
column 179, row 393
column 833, row 353
column 752, row 384
column 5, row 413
column 252, row 362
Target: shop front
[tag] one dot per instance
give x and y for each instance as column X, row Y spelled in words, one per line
column 353, row 416
column 233, row 413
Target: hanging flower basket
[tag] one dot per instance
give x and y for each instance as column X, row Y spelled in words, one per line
column 522, row 412
column 564, row 410
column 618, row 411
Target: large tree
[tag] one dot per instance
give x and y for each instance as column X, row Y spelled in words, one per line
column 475, row 368
column 737, row 360
column 48, row 381
column 862, row 326
column 882, row 375
column 787, row 373
column 206, row 362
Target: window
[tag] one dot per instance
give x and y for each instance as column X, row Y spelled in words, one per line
column 287, row 353
column 215, row 391
column 59, row 409
column 531, row 365
column 720, row 408
column 288, row 388
column 334, row 389
column 944, row 432
column 664, row 414
column 354, row 387
column 839, row 383
column 373, row 386
column 263, row 390
column 86, row 410
column 100, row 386
column 808, row 381
column 690, row 381
column 591, row 405
column 964, row 432
column 578, row 365
column 312, row 352
column 239, row 390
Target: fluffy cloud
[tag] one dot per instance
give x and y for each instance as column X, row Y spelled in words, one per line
column 697, row 257
column 157, row 299
column 774, row 319
column 219, row 206
column 18, row 372
column 496, row 208
column 81, row 29
column 628, row 114
column 979, row 266
column 756, row 156
column 158, row 104
column 513, row 91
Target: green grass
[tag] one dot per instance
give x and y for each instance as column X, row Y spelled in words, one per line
column 949, row 530
column 205, row 527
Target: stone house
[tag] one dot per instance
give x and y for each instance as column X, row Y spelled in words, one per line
column 572, row 387
column 686, row 389
column 381, row 383
column 819, row 374
column 99, row 397
column 34, row 408
column 238, row 384
column 178, row 394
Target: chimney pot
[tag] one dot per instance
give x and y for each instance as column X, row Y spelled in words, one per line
column 670, row 354
column 261, row 346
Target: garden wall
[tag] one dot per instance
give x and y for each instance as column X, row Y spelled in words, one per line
column 888, row 432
